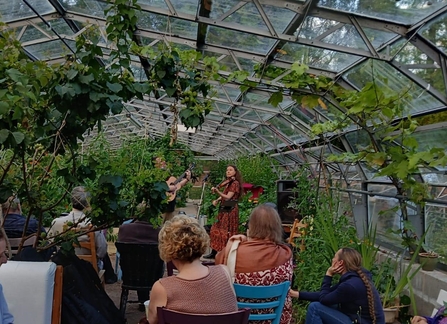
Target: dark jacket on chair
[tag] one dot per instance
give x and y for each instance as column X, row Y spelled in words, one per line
column 84, row 298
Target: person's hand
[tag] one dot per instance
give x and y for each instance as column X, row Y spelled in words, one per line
column 336, row 267
column 294, row 293
column 188, row 175
column 215, row 202
column 418, row 320
column 213, row 189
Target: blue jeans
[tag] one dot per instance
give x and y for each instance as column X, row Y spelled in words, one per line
column 317, row 313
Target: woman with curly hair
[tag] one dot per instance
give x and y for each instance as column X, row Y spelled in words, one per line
column 353, row 300
column 196, row 289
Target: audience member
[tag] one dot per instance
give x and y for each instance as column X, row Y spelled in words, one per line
column 5, row 316
column 439, row 318
column 79, row 201
column 354, row 299
column 139, row 232
column 15, row 222
column 196, row 289
column 261, row 257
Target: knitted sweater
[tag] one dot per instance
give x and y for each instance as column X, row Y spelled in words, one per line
column 212, row 294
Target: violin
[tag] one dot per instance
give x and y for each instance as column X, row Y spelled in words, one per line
column 225, row 182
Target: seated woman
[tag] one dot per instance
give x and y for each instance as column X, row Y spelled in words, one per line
column 261, row 257
column 196, row 289
column 354, row 299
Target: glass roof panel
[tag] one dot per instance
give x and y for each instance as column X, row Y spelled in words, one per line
column 249, row 15
column 17, row 9
column 378, row 37
column 239, row 40
column 88, row 7
column 420, row 64
column 227, row 63
column 317, row 57
column 303, row 114
column 186, row 6
column 383, row 72
column 154, row 3
column 436, row 32
column 347, row 36
column 285, row 127
column 50, row 50
column 404, row 11
column 160, row 23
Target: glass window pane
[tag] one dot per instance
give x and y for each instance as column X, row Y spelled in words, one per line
column 436, row 222
column 239, row 40
column 89, row 7
column 17, row 9
column 407, row 12
column 166, row 24
column 435, row 31
column 421, row 65
column 51, row 50
column 387, row 76
column 317, row 57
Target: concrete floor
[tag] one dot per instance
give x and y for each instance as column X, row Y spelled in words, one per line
column 133, row 315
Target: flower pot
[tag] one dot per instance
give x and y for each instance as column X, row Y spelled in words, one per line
column 390, row 315
column 428, row 261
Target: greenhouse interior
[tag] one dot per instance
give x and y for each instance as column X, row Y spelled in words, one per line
column 334, row 111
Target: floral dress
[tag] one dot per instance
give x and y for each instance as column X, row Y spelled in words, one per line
column 270, row 277
column 227, row 223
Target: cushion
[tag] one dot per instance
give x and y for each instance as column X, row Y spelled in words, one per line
column 28, row 289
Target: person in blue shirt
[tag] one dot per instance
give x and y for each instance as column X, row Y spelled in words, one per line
column 15, row 221
column 5, row 316
column 354, row 299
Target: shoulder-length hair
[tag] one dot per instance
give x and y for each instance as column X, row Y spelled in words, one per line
column 265, row 224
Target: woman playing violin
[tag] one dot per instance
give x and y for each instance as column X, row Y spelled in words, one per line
column 227, row 224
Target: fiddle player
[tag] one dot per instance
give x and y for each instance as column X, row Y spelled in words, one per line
column 227, row 224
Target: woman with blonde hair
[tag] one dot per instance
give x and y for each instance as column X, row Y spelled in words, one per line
column 196, row 289
column 261, row 257
column 354, row 299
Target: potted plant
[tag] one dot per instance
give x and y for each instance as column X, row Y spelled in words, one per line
column 428, row 260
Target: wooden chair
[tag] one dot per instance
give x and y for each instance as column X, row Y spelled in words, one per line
column 15, row 242
column 269, row 299
column 91, row 257
column 141, row 267
column 296, row 232
column 166, row 316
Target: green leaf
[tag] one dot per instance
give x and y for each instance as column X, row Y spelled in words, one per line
column 71, row 74
column 18, row 137
column 4, row 133
column 86, row 79
column 310, row 101
column 114, row 87
column 141, row 87
column 275, row 99
column 161, row 73
column 299, row 68
column 4, row 107
column 5, row 193
column 14, row 74
column 116, row 107
column 170, row 91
